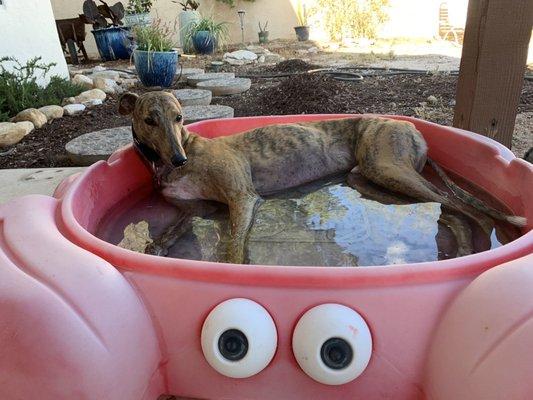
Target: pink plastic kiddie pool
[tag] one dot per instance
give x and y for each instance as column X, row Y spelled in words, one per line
column 81, row 318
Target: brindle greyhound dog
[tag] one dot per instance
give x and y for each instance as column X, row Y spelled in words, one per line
column 237, row 170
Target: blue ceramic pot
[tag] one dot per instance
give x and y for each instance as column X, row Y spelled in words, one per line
column 113, row 43
column 156, row 68
column 204, row 42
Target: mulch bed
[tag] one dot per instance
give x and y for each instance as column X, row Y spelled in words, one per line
column 298, row 94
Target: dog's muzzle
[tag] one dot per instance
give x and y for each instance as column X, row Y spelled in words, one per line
column 178, row 160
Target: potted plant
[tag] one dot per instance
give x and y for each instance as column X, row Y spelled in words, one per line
column 112, row 40
column 207, row 35
column 263, row 33
column 138, row 13
column 189, row 15
column 302, row 30
column 155, row 57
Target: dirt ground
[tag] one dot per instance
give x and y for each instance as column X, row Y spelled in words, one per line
column 295, row 94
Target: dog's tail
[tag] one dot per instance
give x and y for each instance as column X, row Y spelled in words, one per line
column 469, row 199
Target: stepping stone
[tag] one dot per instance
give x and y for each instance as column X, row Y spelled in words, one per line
column 91, row 147
column 224, row 87
column 193, row 114
column 193, row 80
column 193, row 97
column 186, row 72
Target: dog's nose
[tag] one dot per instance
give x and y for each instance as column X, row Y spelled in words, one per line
column 178, row 160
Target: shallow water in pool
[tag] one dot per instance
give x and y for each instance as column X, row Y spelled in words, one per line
column 325, row 223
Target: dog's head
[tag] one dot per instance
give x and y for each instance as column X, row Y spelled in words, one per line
column 157, row 121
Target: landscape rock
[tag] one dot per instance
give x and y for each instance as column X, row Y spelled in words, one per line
column 240, row 57
column 98, row 68
column 73, row 109
column 52, row 112
column 273, row 58
column 313, row 50
column 224, row 87
column 94, row 146
column 193, row 114
column 193, row 97
column 432, row 100
column 261, row 59
column 93, row 94
column 82, row 80
column 92, row 103
column 106, row 74
column 36, row 117
column 128, row 83
column 13, row 132
column 194, row 79
column 108, row 86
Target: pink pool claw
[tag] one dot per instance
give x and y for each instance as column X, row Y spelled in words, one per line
column 81, row 318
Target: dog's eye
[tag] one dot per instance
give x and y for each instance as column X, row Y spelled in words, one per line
column 149, row 121
column 179, row 117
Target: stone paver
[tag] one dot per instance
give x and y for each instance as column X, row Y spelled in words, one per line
column 94, row 146
column 193, row 80
column 224, row 87
column 193, row 114
column 193, row 97
column 186, row 72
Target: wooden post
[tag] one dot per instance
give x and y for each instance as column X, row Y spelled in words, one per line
column 493, row 62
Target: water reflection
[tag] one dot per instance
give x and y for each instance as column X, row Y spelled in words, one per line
column 325, row 224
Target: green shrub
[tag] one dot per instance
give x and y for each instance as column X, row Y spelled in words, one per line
column 357, row 18
column 154, row 37
column 19, row 88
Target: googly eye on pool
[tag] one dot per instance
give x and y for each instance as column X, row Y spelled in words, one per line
column 239, row 338
column 332, row 344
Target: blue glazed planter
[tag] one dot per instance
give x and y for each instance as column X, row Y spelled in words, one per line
column 113, row 43
column 204, row 42
column 156, row 68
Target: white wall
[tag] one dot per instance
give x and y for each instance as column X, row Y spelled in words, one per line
column 27, row 30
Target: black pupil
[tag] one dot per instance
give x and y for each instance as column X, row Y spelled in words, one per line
column 178, row 118
column 233, row 345
column 149, row 121
column 336, row 353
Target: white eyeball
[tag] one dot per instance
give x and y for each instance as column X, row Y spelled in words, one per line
column 239, row 338
column 332, row 344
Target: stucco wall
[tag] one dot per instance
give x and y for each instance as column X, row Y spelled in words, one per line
column 27, row 30
column 408, row 18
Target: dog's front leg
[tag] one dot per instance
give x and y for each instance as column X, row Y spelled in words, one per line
column 241, row 213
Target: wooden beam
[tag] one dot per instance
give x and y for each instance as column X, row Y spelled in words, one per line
column 493, row 62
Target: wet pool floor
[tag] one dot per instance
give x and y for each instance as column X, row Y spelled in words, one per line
column 326, row 223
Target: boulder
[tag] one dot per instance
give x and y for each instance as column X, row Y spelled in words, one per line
column 257, row 50
column 194, row 79
column 92, row 103
column 193, row 97
column 82, row 80
column 93, row 94
column 12, row 132
column 108, row 86
column 224, row 87
column 193, row 114
column 99, row 145
column 98, row 68
column 52, row 112
column 36, row 117
column 73, row 109
column 115, row 75
column 128, row 83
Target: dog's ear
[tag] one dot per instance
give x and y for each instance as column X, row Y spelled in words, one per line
column 126, row 103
